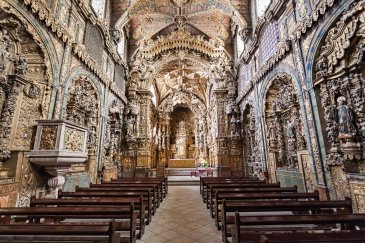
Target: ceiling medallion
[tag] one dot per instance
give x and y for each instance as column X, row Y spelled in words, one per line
column 180, row 21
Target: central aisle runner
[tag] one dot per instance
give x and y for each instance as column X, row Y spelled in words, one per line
column 182, row 217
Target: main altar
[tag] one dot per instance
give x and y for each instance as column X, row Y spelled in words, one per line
column 181, row 163
column 183, row 149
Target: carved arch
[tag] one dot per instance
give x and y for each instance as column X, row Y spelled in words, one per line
column 336, row 74
column 284, row 130
column 27, row 75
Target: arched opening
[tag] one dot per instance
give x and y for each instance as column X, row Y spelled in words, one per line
column 284, row 133
column 182, row 134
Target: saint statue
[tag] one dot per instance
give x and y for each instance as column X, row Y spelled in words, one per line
column 345, row 117
column 131, row 124
column 163, row 139
column 233, row 126
column 290, row 130
column 271, row 131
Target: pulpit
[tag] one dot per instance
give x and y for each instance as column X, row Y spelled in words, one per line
column 58, row 145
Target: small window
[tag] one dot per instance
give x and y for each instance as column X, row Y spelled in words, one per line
column 261, row 6
column 99, row 8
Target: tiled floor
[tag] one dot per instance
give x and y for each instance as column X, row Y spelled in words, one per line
column 182, row 217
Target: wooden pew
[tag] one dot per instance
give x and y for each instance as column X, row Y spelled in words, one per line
column 138, row 203
column 126, row 192
column 259, row 197
column 213, row 187
column 249, row 190
column 58, row 215
column 157, row 183
column 162, row 179
column 203, row 180
column 146, row 197
column 72, row 233
column 148, row 209
column 213, row 190
column 153, row 186
column 313, row 207
column 244, row 187
column 289, row 223
column 351, row 236
column 229, row 184
column 205, row 183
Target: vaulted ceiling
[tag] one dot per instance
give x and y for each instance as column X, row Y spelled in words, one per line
column 145, row 20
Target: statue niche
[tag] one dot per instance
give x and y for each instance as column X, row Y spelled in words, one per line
column 181, row 140
column 182, row 135
column 83, row 108
column 284, row 129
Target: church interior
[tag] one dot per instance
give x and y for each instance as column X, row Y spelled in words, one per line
column 114, row 101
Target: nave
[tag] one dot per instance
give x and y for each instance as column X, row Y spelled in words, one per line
column 220, row 209
column 182, row 218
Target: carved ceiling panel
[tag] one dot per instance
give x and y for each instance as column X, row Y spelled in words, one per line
column 215, row 19
column 214, row 23
column 182, row 75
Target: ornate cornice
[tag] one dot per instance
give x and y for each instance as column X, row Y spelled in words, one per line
column 182, row 40
column 303, row 26
column 42, row 13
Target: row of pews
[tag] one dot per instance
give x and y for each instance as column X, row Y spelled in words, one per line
column 114, row 211
column 248, row 210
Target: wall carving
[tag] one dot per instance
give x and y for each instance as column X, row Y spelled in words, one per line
column 74, row 139
column 341, row 95
column 284, row 127
column 83, row 108
column 251, row 154
column 113, row 135
column 48, row 138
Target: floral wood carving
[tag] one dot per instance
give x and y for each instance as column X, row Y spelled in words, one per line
column 74, row 139
column 48, row 138
column 284, row 128
column 83, row 108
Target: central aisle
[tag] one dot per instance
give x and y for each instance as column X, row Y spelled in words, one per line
column 182, row 217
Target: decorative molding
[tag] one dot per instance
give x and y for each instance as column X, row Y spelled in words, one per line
column 304, row 25
column 181, row 39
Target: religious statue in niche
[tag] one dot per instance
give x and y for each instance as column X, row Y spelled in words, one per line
column 163, row 139
column 271, row 134
column 291, row 136
column 291, row 143
column 131, row 124
column 345, row 118
column 92, row 140
column 234, row 126
column 181, row 142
